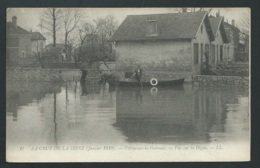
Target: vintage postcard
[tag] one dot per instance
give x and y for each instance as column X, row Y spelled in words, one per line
column 128, row 84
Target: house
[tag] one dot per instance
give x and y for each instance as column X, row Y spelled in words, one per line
column 38, row 43
column 233, row 34
column 54, row 54
column 18, row 43
column 220, row 46
column 166, row 45
column 65, row 52
column 242, row 53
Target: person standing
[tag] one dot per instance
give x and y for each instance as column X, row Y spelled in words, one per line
column 138, row 74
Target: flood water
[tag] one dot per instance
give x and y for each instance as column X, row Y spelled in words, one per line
column 71, row 114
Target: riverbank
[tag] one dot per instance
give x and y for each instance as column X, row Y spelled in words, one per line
column 50, row 75
column 212, row 80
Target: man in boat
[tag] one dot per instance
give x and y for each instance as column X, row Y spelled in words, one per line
column 138, row 74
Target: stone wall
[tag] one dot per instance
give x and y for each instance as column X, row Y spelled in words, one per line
column 232, row 69
column 210, row 80
column 38, row 74
column 232, row 72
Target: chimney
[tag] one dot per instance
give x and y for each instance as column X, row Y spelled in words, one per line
column 184, row 10
column 233, row 22
column 217, row 14
column 151, row 27
column 14, row 21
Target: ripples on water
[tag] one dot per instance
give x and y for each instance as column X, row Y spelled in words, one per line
column 68, row 113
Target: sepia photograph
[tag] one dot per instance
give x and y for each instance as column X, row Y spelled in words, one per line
column 128, row 84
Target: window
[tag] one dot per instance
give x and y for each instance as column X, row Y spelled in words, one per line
column 201, row 29
column 201, row 52
column 221, row 52
column 22, row 54
column 207, row 48
column 196, row 53
column 151, row 28
column 217, row 53
column 213, row 53
column 41, row 46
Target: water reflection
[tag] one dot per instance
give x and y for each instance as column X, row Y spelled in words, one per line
column 22, row 93
column 177, row 115
column 90, row 113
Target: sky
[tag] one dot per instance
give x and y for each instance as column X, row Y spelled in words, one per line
column 29, row 18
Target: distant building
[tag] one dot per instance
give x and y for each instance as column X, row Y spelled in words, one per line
column 59, row 45
column 233, row 34
column 61, row 49
column 18, row 44
column 244, row 44
column 38, row 43
column 54, row 54
column 220, row 46
column 173, row 42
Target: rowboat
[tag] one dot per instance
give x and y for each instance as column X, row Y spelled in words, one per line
column 152, row 83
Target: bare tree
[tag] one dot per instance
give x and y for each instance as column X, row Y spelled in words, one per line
column 244, row 27
column 71, row 19
column 94, row 38
column 183, row 10
column 245, row 23
column 106, row 27
column 51, row 22
column 85, row 32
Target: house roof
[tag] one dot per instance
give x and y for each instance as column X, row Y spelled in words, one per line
column 169, row 26
column 37, row 36
column 215, row 23
column 228, row 25
column 54, row 50
column 57, row 45
column 60, row 45
column 218, row 24
column 10, row 29
column 232, row 32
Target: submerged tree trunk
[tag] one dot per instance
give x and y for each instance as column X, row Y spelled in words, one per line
column 84, row 74
column 54, row 28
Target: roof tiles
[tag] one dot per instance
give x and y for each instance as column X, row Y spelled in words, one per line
column 169, row 26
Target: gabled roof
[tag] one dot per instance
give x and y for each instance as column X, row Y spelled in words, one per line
column 54, row 50
column 231, row 26
column 218, row 24
column 232, row 33
column 215, row 23
column 37, row 36
column 60, row 45
column 57, row 45
column 169, row 26
column 10, row 29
